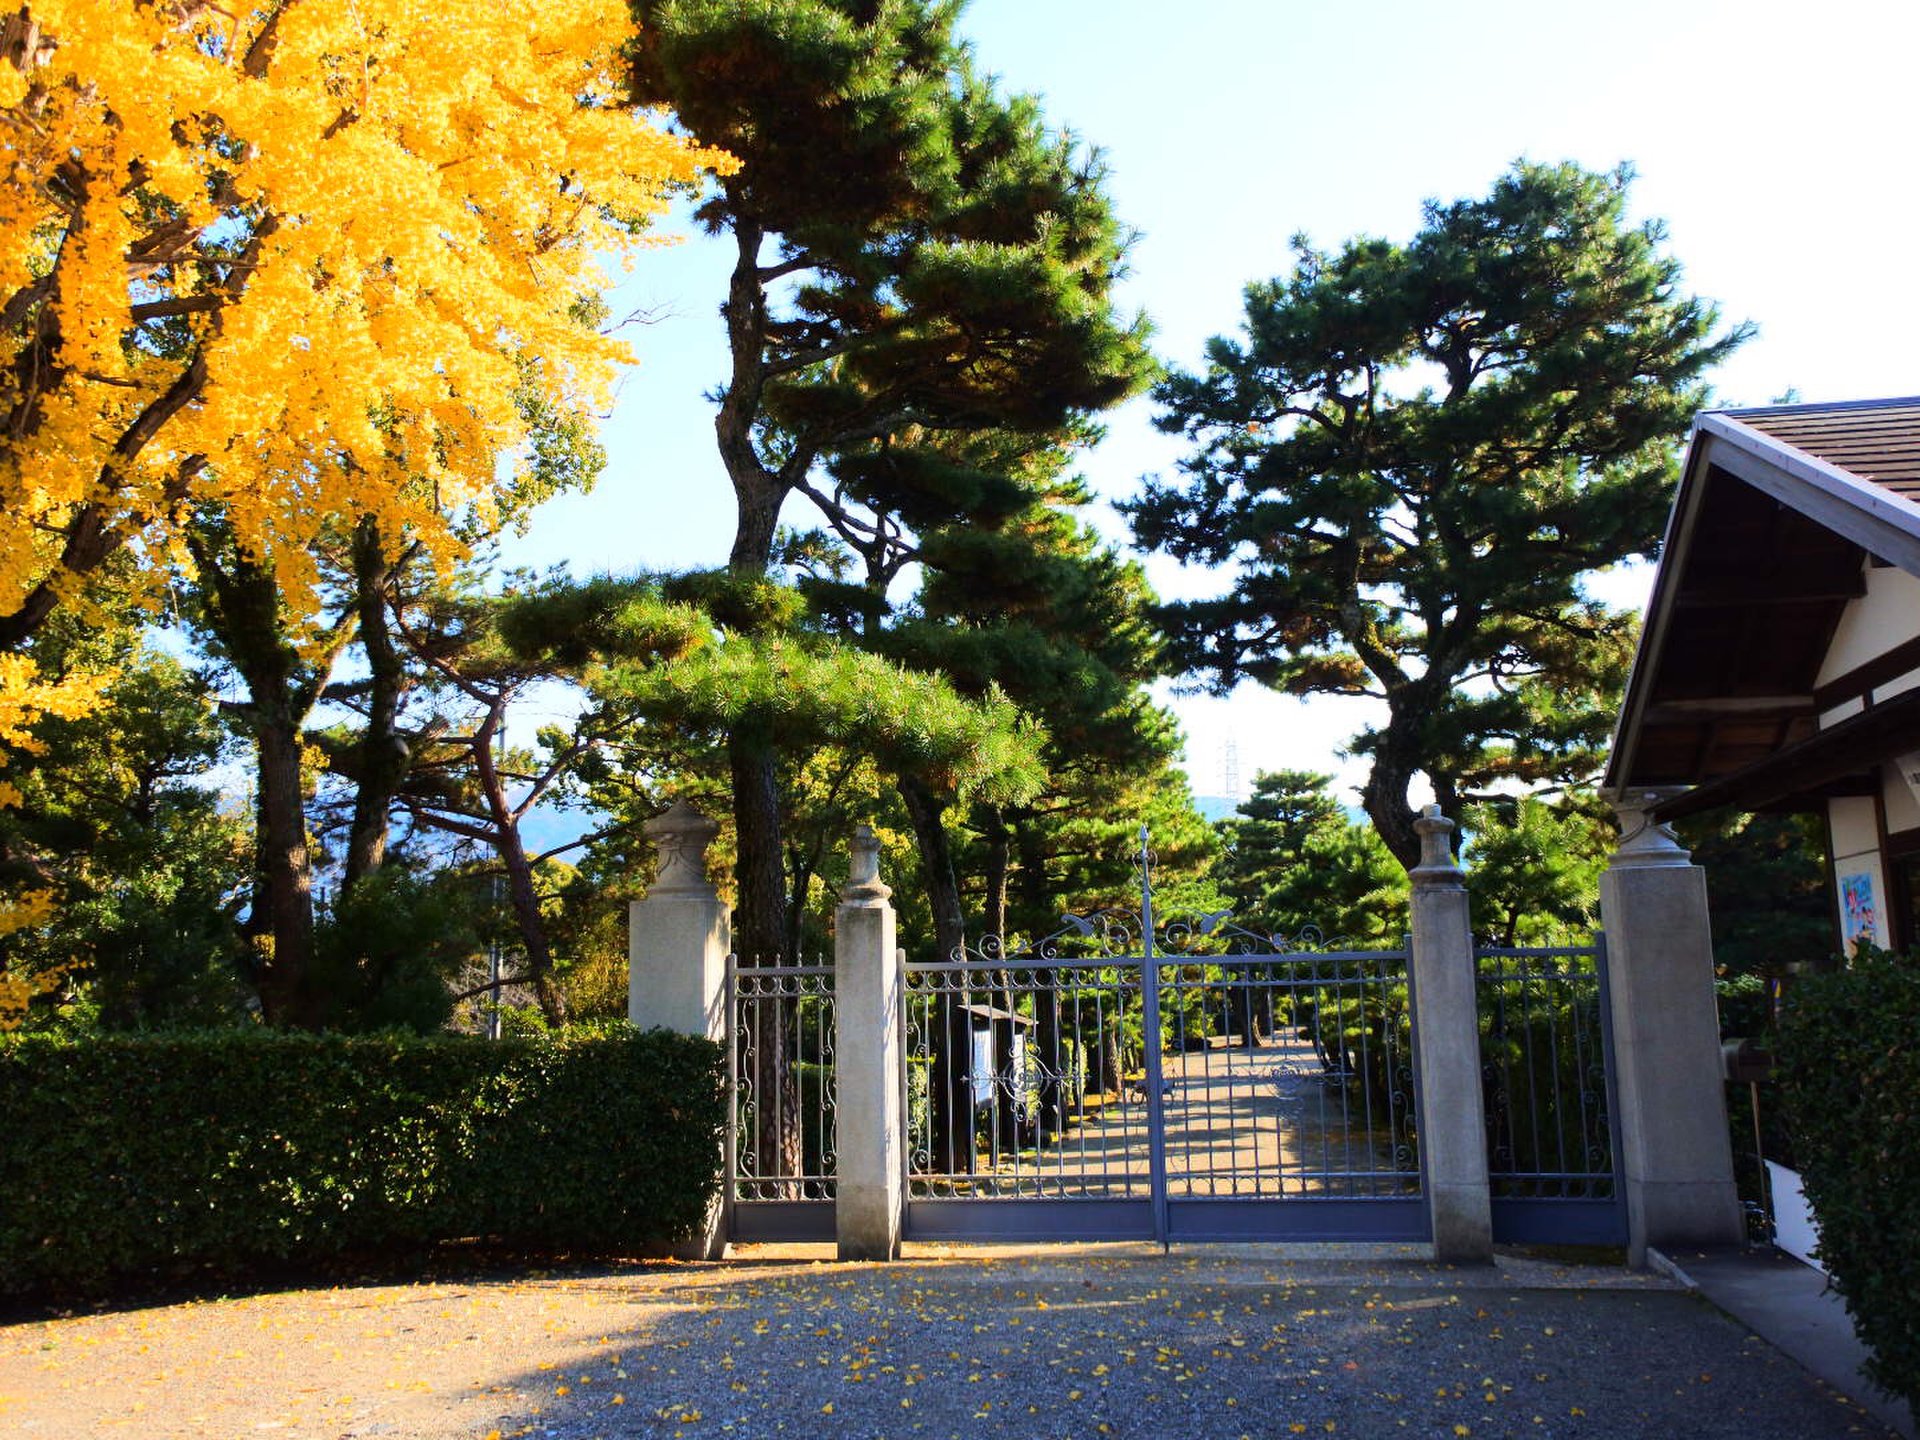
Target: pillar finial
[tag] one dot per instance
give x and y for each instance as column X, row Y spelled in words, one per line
column 681, row 834
column 1437, row 865
column 1645, row 842
column 863, row 869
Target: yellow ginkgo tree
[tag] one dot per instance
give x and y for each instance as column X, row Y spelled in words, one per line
column 292, row 261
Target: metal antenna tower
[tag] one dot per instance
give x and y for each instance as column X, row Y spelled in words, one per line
column 1230, row 770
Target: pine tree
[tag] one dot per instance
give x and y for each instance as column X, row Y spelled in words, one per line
column 916, row 254
column 1413, row 456
column 1298, row 868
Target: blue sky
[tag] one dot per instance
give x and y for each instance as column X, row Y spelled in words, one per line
column 1777, row 141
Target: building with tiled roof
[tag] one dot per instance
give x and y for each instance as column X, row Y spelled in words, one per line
column 1779, row 667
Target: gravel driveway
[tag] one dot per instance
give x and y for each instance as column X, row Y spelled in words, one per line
column 1104, row 1341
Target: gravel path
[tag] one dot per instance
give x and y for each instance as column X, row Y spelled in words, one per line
column 1108, row 1341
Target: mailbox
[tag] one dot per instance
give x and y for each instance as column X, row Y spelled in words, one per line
column 1746, row 1062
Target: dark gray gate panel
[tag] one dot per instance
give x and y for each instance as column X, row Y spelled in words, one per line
column 780, row 1165
column 1288, row 1073
column 1167, row 1077
column 1030, row 1220
column 1559, row 1222
column 1299, row 1220
column 788, row 1221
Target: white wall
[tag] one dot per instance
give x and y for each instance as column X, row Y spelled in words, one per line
column 1900, row 807
column 1886, row 615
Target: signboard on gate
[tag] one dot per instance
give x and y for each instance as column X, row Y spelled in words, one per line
column 982, row 1064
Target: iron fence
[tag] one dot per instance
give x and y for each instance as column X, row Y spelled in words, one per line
column 780, row 1139
column 1289, row 1075
column 1017, row 1080
column 1164, row 1079
column 1544, row 1051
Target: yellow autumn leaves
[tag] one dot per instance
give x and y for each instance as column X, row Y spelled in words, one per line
column 293, row 261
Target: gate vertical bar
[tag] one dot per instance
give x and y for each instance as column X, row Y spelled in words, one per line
column 1616, row 1154
column 730, row 1148
column 1150, row 1021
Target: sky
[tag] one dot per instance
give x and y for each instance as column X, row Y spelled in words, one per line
column 1776, row 142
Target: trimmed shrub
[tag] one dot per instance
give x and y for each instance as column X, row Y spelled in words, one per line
column 1850, row 1077
column 222, row 1153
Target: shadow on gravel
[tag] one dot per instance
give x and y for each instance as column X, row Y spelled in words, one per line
column 1146, row 1351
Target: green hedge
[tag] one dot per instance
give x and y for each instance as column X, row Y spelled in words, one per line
column 224, row 1153
column 1850, row 1077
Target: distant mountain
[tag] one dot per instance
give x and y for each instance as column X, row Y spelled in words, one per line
column 1219, row 807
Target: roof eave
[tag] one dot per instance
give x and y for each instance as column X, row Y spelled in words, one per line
column 1680, row 520
column 1883, row 522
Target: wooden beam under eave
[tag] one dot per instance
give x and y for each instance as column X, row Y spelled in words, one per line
column 1874, row 520
column 1851, row 748
column 1726, row 707
column 1772, row 589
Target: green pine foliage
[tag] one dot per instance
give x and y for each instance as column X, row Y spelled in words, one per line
column 385, row 951
column 1411, row 456
column 1768, row 893
column 1086, row 857
column 910, row 721
column 719, row 653
column 156, row 1158
column 148, row 866
column 1534, row 870
column 944, row 259
column 920, row 261
column 1294, row 864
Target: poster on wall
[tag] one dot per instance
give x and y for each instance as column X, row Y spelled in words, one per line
column 1858, row 912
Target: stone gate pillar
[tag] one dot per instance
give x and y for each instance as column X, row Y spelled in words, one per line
column 1676, row 1155
column 678, row 937
column 677, row 943
column 1446, row 1053
column 869, row 1152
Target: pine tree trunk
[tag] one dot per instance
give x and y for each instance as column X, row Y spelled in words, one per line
column 757, row 492
column 999, row 858
column 760, row 909
column 243, row 609
column 1385, row 796
column 524, row 897
column 384, row 757
column 759, row 921
column 759, row 933
column 759, row 937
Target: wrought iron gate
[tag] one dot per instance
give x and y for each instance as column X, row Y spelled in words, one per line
column 781, row 1176
column 1546, row 1057
column 1134, row 1077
